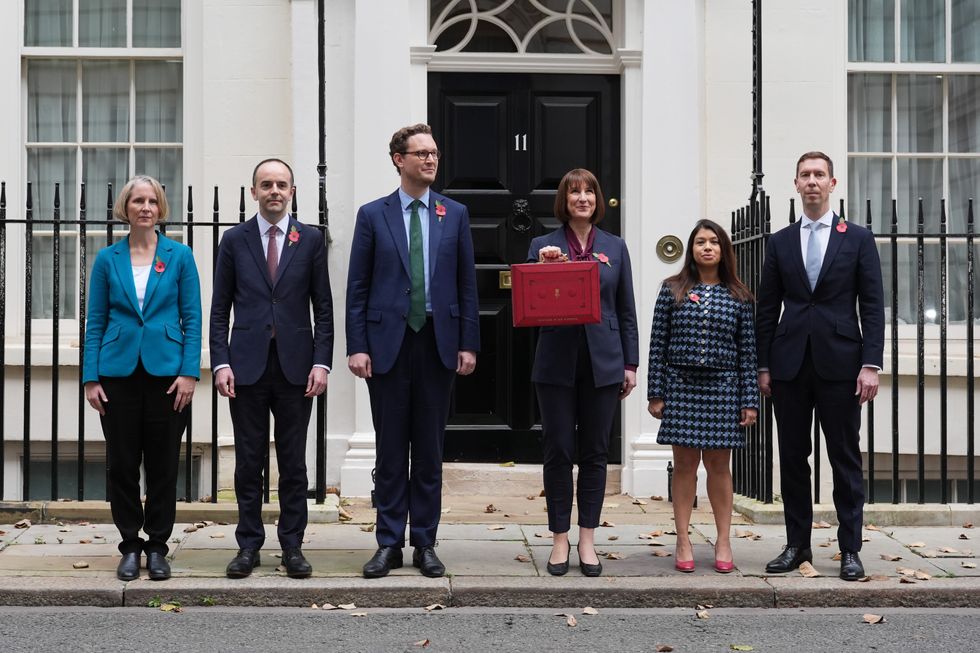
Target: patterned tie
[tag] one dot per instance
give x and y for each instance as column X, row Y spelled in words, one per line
column 272, row 252
column 416, row 310
column 814, row 259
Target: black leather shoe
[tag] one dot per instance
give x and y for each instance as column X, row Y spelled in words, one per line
column 558, row 568
column 384, row 560
column 428, row 562
column 295, row 564
column 129, row 566
column 243, row 563
column 157, row 565
column 791, row 558
column 850, row 566
column 589, row 570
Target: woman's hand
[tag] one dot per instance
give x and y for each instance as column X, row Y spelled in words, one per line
column 628, row 384
column 551, row 254
column 95, row 396
column 656, row 407
column 749, row 417
column 183, row 390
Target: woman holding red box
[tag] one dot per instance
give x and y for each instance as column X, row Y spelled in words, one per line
column 581, row 372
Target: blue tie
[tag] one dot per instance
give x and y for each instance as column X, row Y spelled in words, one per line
column 814, row 259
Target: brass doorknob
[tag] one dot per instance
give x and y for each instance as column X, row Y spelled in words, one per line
column 613, row 202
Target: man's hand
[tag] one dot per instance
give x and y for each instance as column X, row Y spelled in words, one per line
column 183, row 390
column 629, row 382
column 765, row 384
column 224, row 380
column 465, row 362
column 749, row 417
column 360, row 365
column 867, row 385
column 316, row 382
column 95, row 396
column 656, row 407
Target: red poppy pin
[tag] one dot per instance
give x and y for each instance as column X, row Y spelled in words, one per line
column 159, row 266
column 293, row 236
column 694, row 298
column 602, row 258
column 841, row 225
column 440, row 210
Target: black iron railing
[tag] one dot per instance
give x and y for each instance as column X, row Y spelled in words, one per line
column 191, row 230
column 753, row 465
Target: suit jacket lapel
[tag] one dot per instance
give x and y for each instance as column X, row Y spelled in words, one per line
column 124, row 270
column 833, row 246
column 396, row 224
column 289, row 247
column 163, row 254
column 435, row 231
column 254, row 240
column 796, row 251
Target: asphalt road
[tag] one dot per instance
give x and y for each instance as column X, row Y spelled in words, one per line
column 217, row 629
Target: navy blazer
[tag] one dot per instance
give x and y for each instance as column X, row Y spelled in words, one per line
column 165, row 334
column 842, row 338
column 379, row 282
column 241, row 279
column 614, row 341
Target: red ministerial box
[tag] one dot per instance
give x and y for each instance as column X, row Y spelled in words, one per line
column 555, row 294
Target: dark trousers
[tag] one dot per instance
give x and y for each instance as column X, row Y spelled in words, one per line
column 840, row 419
column 141, row 426
column 578, row 415
column 410, row 406
column 250, row 418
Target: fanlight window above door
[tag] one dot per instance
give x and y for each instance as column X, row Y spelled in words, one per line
column 522, row 26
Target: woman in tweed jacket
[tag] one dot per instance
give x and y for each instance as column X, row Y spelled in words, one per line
column 702, row 380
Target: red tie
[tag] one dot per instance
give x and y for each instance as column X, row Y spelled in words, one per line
column 272, row 253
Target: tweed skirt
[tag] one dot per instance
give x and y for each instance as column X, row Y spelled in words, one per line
column 701, row 409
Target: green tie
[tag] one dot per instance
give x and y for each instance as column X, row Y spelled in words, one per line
column 416, row 310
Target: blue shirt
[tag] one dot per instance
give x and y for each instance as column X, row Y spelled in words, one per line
column 406, row 202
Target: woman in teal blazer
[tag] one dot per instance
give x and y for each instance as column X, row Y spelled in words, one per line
column 142, row 359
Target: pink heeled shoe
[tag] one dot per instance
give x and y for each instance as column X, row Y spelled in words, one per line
column 686, row 566
column 723, row 567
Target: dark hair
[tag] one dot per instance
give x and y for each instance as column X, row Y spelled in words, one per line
column 255, row 171
column 815, row 155
column 689, row 276
column 578, row 178
column 399, row 140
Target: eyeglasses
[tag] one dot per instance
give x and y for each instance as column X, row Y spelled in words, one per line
column 425, row 154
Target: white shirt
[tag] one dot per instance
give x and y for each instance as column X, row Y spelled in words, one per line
column 823, row 235
column 141, row 276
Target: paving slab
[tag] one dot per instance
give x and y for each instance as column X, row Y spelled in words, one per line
column 388, row 592
column 9, row 534
column 833, row 592
column 476, row 558
column 622, row 534
column 62, row 591
column 936, row 538
column 26, row 566
column 336, row 536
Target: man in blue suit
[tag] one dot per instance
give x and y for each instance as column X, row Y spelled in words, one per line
column 412, row 326
column 271, row 269
column 825, row 351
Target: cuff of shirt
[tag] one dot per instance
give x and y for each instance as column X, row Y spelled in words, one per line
column 219, row 367
column 631, row 368
column 327, row 368
column 874, row 367
column 763, row 369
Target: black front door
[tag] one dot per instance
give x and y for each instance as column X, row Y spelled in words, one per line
column 507, row 141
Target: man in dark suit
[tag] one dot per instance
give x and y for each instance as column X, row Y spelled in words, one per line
column 412, row 326
column 820, row 353
column 271, row 269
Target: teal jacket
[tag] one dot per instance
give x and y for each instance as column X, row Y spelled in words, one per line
column 165, row 335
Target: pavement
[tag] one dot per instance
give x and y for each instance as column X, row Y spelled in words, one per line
column 495, row 556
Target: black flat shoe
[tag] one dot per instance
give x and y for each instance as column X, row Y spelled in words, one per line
column 243, row 563
column 558, row 568
column 384, row 560
column 791, row 558
column 296, row 564
column 157, row 565
column 428, row 562
column 850, row 566
column 589, row 570
column 129, row 567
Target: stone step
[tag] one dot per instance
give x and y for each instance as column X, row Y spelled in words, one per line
column 490, row 479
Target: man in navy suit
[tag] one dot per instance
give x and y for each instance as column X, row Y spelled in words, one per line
column 824, row 352
column 271, row 269
column 412, row 326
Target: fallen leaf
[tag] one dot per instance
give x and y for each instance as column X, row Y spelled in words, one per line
column 358, row 614
column 509, row 463
column 890, row 557
column 23, row 523
column 821, row 524
column 280, row 568
column 217, row 536
column 741, row 533
column 541, row 494
column 490, row 509
column 435, row 606
column 81, row 564
column 703, row 606
column 836, row 556
column 531, row 497
column 607, row 524
column 963, row 536
column 613, row 538
column 656, row 533
column 703, row 614
column 655, row 543
column 872, row 527
column 824, row 544
column 589, row 610
column 921, row 575
column 314, row 607
column 422, row 643
column 83, row 523
column 85, row 540
column 99, row 536
column 968, row 524
column 657, row 497
column 612, row 555
column 60, row 530
column 347, row 606
column 639, row 502
column 948, row 549
column 520, row 557
column 906, row 579
column 368, row 528
column 2, row 533
column 200, row 524
column 508, row 515
column 669, row 532
column 190, row 528
column 445, row 511
column 865, row 539
column 968, row 565
column 916, row 545
column 61, row 540
column 928, row 554
column 544, row 535
column 662, row 553
column 169, row 607
column 664, row 648
column 610, row 505
column 496, row 527
column 905, row 571
column 807, row 570
column 571, row 621
column 328, row 606
column 740, row 647
column 873, row 619
column 868, row 579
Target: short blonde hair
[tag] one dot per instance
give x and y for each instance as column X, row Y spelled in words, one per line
column 119, row 208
